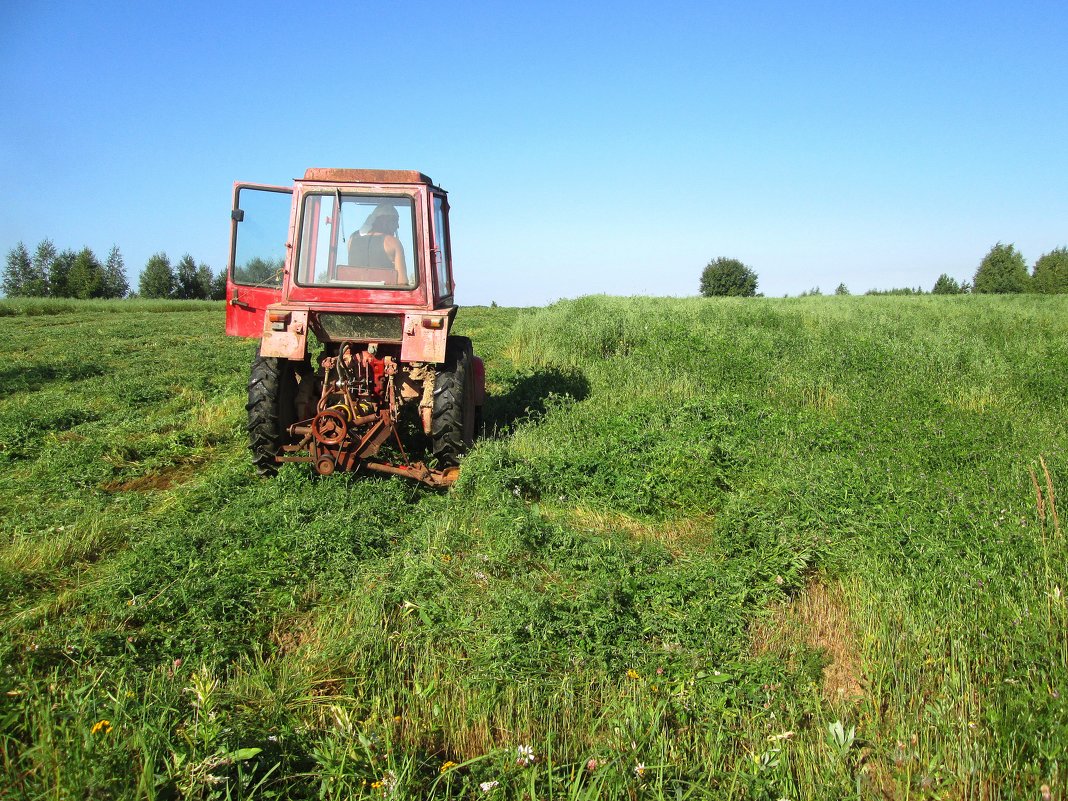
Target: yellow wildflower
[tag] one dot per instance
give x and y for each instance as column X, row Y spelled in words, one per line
column 632, row 674
column 448, row 766
column 101, row 726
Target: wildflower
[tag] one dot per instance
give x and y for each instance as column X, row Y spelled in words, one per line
column 446, row 558
column 449, row 765
column 101, row 726
column 1047, row 794
column 659, row 671
column 899, row 754
column 489, row 786
column 377, row 785
column 525, row 755
column 632, row 674
column 591, row 765
column 639, row 770
column 780, row 580
column 389, row 781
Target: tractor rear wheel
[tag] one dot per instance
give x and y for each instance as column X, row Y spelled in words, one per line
column 452, row 430
column 272, row 389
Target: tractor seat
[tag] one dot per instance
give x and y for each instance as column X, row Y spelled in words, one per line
column 378, row 275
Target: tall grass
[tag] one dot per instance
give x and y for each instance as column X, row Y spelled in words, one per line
column 756, row 548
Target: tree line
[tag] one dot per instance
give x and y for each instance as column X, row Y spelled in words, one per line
column 50, row 273
column 1002, row 271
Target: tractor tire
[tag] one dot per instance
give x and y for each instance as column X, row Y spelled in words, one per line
column 452, row 430
column 272, row 388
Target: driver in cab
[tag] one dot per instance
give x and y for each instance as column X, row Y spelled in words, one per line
column 376, row 247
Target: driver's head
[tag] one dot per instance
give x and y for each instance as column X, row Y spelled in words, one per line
column 384, row 219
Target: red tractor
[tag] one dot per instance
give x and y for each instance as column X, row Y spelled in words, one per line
column 366, row 269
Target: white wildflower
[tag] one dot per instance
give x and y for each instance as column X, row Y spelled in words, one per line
column 525, row 755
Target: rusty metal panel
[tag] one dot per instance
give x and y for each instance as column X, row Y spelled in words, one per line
column 289, row 342
column 334, row 175
column 423, row 338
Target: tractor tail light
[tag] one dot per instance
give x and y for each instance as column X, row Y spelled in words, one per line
column 435, row 323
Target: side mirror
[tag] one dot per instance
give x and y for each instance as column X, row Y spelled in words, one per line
column 237, row 215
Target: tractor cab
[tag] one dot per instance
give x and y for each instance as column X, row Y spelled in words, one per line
column 369, row 244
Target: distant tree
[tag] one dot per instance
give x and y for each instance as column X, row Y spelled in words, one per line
column 37, row 285
column 811, row 292
column 86, row 276
column 115, row 283
column 946, row 286
column 59, row 274
column 186, row 286
column 728, row 277
column 1051, row 273
column 157, row 279
column 841, row 289
column 1002, row 271
column 218, row 286
column 17, row 271
column 204, row 281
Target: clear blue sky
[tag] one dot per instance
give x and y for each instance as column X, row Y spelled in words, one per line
column 587, row 147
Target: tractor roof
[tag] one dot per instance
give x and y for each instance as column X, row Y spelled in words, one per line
column 366, row 176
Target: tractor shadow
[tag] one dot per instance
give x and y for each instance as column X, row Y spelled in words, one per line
column 32, row 377
column 528, row 395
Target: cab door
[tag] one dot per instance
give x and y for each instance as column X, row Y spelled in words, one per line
column 260, row 226
column 441, row 252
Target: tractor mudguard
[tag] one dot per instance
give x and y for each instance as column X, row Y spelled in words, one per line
column 479, row 369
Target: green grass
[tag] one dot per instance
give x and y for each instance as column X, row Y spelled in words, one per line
column 710, row 549
column 36, row 307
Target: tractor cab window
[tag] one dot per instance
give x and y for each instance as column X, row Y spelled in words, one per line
column 260, row 249
column 442, row 257
column 359, row 241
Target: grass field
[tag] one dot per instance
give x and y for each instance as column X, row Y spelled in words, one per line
column 800, row 548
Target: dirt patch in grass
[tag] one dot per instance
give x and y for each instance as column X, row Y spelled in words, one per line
column 819, row 619
column 677, row 536
column 156, row 480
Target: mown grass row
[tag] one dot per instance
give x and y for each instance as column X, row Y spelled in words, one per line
column 754, row 548
column 37, row 307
